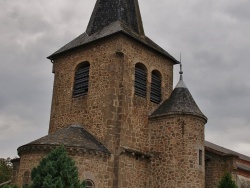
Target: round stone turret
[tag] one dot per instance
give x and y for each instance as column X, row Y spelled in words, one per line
column 177, row 141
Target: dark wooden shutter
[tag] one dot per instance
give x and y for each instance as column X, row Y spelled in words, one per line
column 81, row 84
column 140, row 82
column 155, row 95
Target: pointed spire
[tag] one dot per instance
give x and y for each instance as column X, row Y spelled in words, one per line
column 110, row 11
column 181, row 83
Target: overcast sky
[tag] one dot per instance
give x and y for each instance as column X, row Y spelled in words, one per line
column 213, row 37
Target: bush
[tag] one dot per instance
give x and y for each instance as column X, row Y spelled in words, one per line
column 57, row 170
column 227, row 182
column 5, row 170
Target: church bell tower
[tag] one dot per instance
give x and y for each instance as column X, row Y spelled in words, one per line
column 110, row 107
column 110, row 77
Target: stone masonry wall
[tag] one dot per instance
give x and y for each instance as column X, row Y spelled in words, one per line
column 134, row 172
column 245, row 174
column 15, row 170
column 97, row 111
column 216, row 167
column 135, row 109
column 27, row 163
column 176, row 142
column 110, row 110
column 103, row 64
column 90, row 166
column 96, row 168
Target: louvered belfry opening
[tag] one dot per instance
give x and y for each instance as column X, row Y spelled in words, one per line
column 155, row 94
column 81, row 84
column 140, row 80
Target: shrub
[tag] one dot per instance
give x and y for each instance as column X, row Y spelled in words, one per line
column 227, row 182
column 5, row 170
column 57, row 170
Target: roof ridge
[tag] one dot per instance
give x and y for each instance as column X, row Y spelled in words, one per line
column 224, row 150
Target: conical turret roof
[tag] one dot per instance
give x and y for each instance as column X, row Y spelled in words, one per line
column 110, row 17
column 179, row 102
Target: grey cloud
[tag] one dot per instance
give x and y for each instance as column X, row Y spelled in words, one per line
column 239, row 10
column 215, row 66
column 212, row 36
column 215, row 51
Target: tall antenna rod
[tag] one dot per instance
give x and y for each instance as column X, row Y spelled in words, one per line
column 181, row 72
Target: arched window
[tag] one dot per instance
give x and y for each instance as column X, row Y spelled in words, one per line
column 81, row 84
column 140, row 80
column 155, row 94
column 89, row 183
column 26, row 178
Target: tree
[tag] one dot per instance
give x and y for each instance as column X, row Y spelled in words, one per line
column 5, row 170
column 57, row 170
column 227, row 182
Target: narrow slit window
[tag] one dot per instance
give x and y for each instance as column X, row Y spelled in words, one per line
column 81, row 83
column 140, row 80
column 200, row 157
column 155, row 94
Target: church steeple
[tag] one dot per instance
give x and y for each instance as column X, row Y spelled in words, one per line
column 110, row 17
column 109, row 11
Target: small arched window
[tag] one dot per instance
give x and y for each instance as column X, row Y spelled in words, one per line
column 26, row 178
column 81, row 83
column 89, row 183
column 155, row 94
column 140, row 80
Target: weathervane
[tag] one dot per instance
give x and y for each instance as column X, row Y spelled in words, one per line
column 181, row 72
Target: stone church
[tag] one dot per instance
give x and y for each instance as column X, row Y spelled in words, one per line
column 116, row 112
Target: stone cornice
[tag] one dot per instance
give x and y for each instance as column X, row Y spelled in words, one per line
column 135, row 153
column 27, row 149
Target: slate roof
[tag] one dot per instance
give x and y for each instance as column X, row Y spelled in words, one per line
column 109, row 11
column 72, row 136
column 179, row 102
column 224, row 151
column 124, row 17
column 243, row 167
